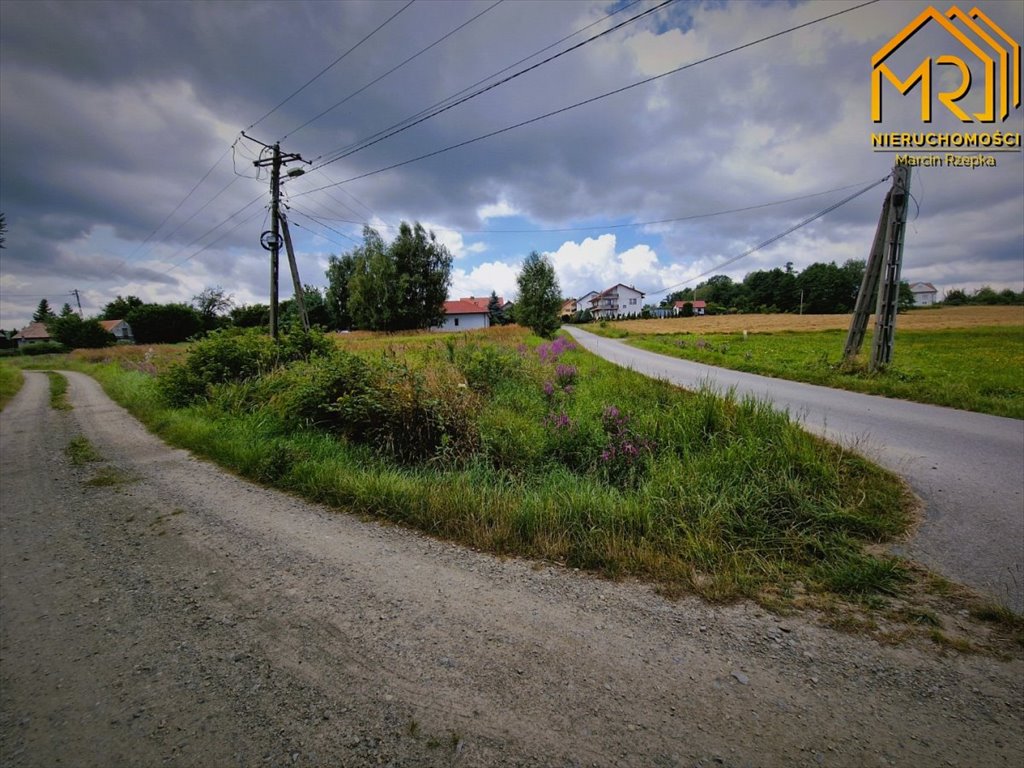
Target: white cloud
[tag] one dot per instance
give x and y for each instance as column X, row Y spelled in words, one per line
column 496, row 210
column 497, row 276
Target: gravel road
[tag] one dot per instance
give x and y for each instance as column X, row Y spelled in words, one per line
column 182, row 616
column 968, row 468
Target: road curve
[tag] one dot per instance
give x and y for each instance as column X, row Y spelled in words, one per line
column 176, row 615
column 968, row 468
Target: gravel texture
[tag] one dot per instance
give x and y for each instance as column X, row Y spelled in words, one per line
column 181, row 616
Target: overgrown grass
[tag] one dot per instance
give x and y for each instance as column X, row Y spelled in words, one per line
column 11, row 380
column 80, row 451
column 58, row 392
column 565, row 458
column 977, row 369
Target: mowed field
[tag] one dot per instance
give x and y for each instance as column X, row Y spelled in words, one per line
column 915, row 320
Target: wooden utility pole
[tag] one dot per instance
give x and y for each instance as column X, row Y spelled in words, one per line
column 74, row 292
column 300, row 296
column 882, row 275
column 271, row 239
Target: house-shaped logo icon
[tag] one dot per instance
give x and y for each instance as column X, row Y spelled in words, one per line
column 997, row 68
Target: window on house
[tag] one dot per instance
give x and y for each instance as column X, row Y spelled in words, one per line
column 456, row 322
column 632, row 302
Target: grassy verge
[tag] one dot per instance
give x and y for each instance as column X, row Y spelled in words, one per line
column 975, row 369
column 557, row 456
column 58, row 392
column 729, row 499
column 11, row 380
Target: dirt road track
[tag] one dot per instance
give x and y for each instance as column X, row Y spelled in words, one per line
column 185, row 617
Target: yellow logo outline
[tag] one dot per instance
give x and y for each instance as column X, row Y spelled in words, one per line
column 922, row 74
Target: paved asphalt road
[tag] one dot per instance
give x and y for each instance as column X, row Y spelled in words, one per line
column 968, row 468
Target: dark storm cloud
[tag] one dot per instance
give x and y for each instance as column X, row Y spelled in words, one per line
column 113, row 111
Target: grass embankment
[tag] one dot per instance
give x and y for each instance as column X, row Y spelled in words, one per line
column 976, row 368
column 542, row 451
column 11, row 379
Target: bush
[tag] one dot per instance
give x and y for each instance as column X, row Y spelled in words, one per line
column 40, row 348
column 412, row 415
column 234, row 355
column 488, row 367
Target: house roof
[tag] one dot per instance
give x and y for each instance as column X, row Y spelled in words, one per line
column 110, row 325
column 607, row 291
column 464, row 307
column 33, row 331
column 697, row 304
column 483, row 302
column 923, row 288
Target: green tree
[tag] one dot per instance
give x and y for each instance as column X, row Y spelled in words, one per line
column 423, row 266
column 372, row 287
column 212, row 305
column 43, row 312
column 393, row 287
column 540, row 298
column 687, row 310
column 250, row 316
column 496, row 311
column 905, row 299
column 119, row 308
column 66, row 310
column 339, row 272
column 75, row 333
column 164, row 323
column 955, row 297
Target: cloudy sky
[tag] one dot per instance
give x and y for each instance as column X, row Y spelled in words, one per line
column 122, row 170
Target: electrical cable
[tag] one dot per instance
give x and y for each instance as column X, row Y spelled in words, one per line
column 330, row 66
column 494, row 85
column 483, row 80
column 393, row 69
column 214, row 242
column 594, row 98
column 776, row 238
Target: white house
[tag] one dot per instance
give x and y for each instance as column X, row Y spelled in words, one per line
column 924, row 294
column 583, row 302
column 618, row 301
column 119, row 329
column 700, row 307
column 465, row 315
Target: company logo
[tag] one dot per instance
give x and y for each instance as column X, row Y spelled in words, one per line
column 996, row 62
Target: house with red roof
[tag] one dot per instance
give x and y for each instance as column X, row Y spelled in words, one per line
column 700, row 307
column 465, row 315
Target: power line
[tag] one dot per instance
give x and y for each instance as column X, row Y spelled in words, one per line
column 494, row 85
column 628, row 225
column 211, row 230
column 594, row 98
column 484, row 79
column 393, row 69
column 214, row 242
column 776, row 238
column 330, row 66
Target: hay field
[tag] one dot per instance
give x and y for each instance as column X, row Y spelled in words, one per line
column 918, row 320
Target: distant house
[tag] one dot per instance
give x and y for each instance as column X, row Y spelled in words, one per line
column 568, row 309
column 33, row 333
column 924, row 294
column 618, row 301
column 119, row 329
column 700, row 307
column 465, row 315
column 583, row 302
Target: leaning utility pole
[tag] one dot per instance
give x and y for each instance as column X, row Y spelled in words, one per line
column 271, row 239
column 882, row 275
column 74, row 292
